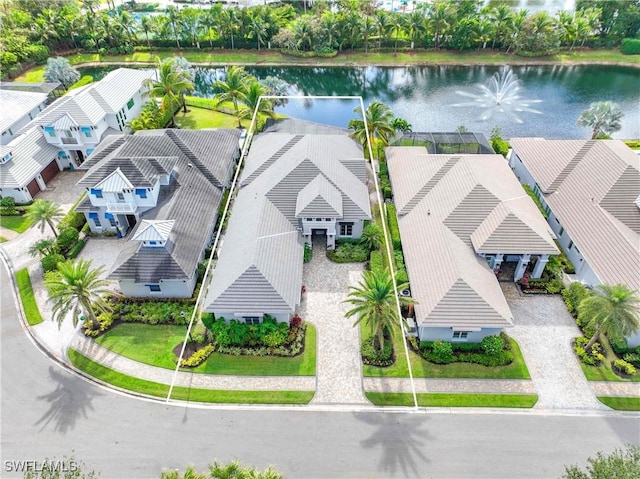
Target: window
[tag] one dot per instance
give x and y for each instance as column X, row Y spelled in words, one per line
column 460, row 335
column 346, row 229
column 52, row 133
column 152, row 243
column 561, row 231
column 327, row 219
column 120, row 196
column 251, row 319
column 96, row 221
column 68, row 134
column 141, row 192
column 96, row 192
column 87, row 133
column 130, row 104
column 153, row 288
column 318, row 219
column 570, row 244
column 309, row 219
column 112, row 222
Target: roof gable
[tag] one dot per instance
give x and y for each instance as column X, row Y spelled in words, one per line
column 115, row 182
column 471, row 212
column 318, row 199
column 150, row 230
column 623, row 199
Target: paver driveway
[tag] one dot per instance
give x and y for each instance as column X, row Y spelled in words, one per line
column 339, row 368
column 544, row 329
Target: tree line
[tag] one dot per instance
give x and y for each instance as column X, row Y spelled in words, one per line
column 32, row 30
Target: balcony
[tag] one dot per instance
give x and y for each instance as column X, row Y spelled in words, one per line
column 125, row 208
column 69, row 141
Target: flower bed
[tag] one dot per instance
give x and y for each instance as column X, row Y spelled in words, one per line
column 491, row 351
column 373, row 357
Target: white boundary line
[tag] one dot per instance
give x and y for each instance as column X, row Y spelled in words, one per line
column 197, row 310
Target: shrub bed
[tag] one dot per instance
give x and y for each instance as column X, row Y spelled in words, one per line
column 373, row 357
column 623, row 368
column 594, row 357
column 308, row 253
column 292, row 346
column 348, row 253
column 394, row 231
column 491, row 351
column 198, row 357
column 141, row 310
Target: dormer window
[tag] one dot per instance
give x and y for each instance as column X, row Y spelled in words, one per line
column 154, row 233
column 154, row 243
column 96, row 192
column 141, row 192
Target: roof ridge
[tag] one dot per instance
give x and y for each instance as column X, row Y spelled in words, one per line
column 569, row 167
column 277, row 155
column 433, row 181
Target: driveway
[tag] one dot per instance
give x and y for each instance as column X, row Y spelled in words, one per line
column 544, row 329
column 338, row 365
column 63, row 189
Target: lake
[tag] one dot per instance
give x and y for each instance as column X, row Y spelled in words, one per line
column 547, row 103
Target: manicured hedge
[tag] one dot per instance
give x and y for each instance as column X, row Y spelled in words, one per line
column 394, row 231
column 630, row 46
column 348, row 253
column 376, row 262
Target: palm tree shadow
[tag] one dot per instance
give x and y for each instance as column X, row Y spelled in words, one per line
column 70, row 400
column 402, row 438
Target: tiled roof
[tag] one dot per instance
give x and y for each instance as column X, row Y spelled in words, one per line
column 30, row 154
column 190, row 200
column 594, row 202
column 319, row 199
column 16, row 104
column 259, row 269
column 153, row 230
column 449, row 205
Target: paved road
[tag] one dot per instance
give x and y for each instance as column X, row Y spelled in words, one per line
column 48, row 412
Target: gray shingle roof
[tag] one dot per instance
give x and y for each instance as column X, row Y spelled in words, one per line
column 319, row 199
column 450, row 204
column 190, row 200
column 594, row 202
column 16, row 104
column 30, row 154
column 260, row 263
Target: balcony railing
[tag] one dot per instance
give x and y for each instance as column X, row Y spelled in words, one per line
column 125, row 208
column 69, row 141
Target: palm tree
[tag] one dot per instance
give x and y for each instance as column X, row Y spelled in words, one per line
column 44, row 212
column 234, row 88
column 501, row 17
column 43, row 247
column 174, row 17
column 233, row 470
column 378, row 125
column 603, row 117
column 252, row 101
column 415, row 24
column 400, row 124
column 170, row 85
column 371, row 237
column 374, row 303
column 612, row 310
column 146, row 25
column 257, row 29
column 77, row 289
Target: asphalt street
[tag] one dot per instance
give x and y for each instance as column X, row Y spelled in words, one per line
column 49, row 412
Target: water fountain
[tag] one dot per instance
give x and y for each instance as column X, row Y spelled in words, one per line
column 500, row 95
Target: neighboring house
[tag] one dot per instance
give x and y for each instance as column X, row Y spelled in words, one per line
column 591, row 192
column 67, row 131
column 162, row 189
column 18, row 109
column 461, row 219
column 292, row 187
column 53, row 90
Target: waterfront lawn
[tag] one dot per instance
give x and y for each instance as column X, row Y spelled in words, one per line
column 27, row 298
column 150, row 388
column 199, row 118
column 17, row 223
column 453, row 400
column 621, row 403
column 154, row 344
column 425, row 369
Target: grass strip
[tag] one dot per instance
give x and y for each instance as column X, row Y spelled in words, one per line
column 17, row 223
column 453, row 400
column 27, row 297
column 151, row 388
column 621, row 403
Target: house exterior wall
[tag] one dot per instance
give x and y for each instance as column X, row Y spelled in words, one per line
column 446, row 334
column 119, row 120
column 282, row 317
column 20, row 195
column 168, row 289
column 11, row 132
column 358, row 226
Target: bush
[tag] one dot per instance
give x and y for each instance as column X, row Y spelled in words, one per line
column 573, row 295
column 308, row 252
column 50, row 262
column 618, row 344
column 198, row 357
column 73, row 219
column 633, row 358
column 441, row 353
column 499, row 145
column 401, row 277
column 630, row 46
column 492, row 345
column 554, row 286
column 373, row 357
column 104, row 319
column 141, row 310
column 67, row 238
column 38, row 53
column 8, row 206
column 592, row 358
column 74, row 251
column 376, row 261
column 622, row 366
column 348, row 253
column 394, row 231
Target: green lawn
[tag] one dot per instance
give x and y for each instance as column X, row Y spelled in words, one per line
column 29, row 305
column 253, row 57
column 183, row 393
column 199, row 118
column 3, row 239
column 453, row 400
column 17, row 223
column 604, row 372
column 153, row 344
column 621, row 403
column 424, row 369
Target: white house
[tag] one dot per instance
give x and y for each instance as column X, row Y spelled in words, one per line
column 67, row 131
column 461, row 217
column 292, row 187
column 18, row 109
column 161, row 189
column 591, row 192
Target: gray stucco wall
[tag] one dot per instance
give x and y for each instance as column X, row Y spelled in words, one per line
column 168, row 289
column 446, row 334
column 282, row 317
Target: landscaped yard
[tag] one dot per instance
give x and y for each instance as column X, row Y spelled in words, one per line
column 604, row 371
column 425, row 369
column 199, row 118
column 154, row 344
column 453, row 400
column 17, row 223
column 29, row 305
column 129, row 383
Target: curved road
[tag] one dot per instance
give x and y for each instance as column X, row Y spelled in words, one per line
column 48, row 411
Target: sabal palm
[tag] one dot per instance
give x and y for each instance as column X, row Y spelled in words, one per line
column 44, row 212
column 77, row 289
column 252, row 101
column 378, row 127
column 603, row 117
column 170, row 86
column 234, row 88
column 612, row 310
column 146, row 25
column 374, row 303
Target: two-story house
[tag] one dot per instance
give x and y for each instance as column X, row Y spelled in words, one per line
column 590, row 190
column 293, row 187
column 162, row 190
column 68, row 130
